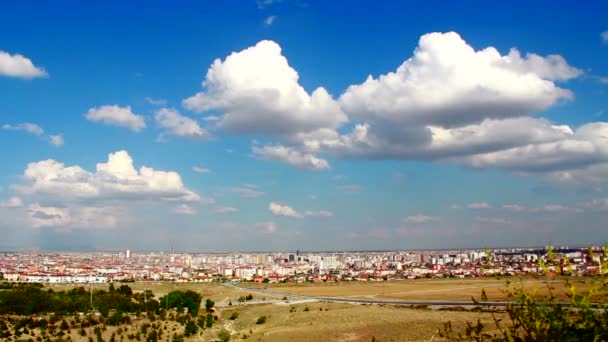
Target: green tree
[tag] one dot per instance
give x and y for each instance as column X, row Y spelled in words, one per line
column 209, row 305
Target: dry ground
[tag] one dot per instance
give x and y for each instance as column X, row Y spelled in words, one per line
column 345, row 322
column 430, row 289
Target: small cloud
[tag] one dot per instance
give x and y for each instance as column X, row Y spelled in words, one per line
column 19, row 66
column 211, row 118
column 26, row 127
column 199, row 169
column 156, row 102
column 115, row 115
column 312, row 197
column 456, row 206
column 481, row 205
column 270, row 20
column 246, row 192
column 278, row 209
column 229, row 150
column 338, row 177
column 264, row 3
column 558, row 208
column 13, row 202
column 56, row 140
column 497, row 220
column 184, row 209
column 225, row 210
column 604, row 36
column 320, row 213
column 420, row 219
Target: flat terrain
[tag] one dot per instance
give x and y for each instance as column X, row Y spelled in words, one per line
column 428, row 289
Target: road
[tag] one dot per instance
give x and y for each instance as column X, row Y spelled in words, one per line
column 443, row 303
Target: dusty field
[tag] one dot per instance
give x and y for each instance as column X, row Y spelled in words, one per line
column 429, row 289
column 344, row 322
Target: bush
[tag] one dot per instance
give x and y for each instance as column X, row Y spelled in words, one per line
column 224, row 336
column 261, row 320
column 234, row 316
column 209, row 321
column 191, row 328
column 541, row 319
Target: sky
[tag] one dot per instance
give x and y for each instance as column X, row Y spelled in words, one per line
column 279, row 125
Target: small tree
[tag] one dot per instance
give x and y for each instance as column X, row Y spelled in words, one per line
column 209, row 305
column 234, row 316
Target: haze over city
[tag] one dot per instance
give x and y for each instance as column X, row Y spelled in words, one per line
column 319, row 126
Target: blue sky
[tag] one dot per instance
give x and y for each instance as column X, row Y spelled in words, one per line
column 482, row 124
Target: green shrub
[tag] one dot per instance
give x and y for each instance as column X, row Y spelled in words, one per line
column 261, row 320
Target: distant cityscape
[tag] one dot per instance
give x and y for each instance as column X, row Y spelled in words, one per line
column 295, row 267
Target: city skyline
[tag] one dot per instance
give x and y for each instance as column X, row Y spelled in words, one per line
column 284, row 125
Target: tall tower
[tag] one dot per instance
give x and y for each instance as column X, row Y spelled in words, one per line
column 128, row 254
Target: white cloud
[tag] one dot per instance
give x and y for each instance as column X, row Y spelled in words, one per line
column 13, row 202
column 558, row 208
column 448, row 102
column 270, row 20
column 420, row 219
column 291, row 156
column 35, row 129
column 75, row 217
column 211, row 118
column 156, row 102
column 115, row 115
column 584, row 147
column 199, row 169
column 246, row 192
column 26, row 126
column 481, row 205
column 184, row 209
column 257, row 91
column 56, row 140
column 319, row 213
column 225, row 210
column 604, row 36
column 117, row 179
column 447, row 83
column 278, row 209
column 178, row 125
column 19, row 66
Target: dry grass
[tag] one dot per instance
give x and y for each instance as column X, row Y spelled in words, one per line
column 345, row 322
column 431, row 289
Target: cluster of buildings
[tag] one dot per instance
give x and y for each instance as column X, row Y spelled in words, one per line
column 66, row 267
